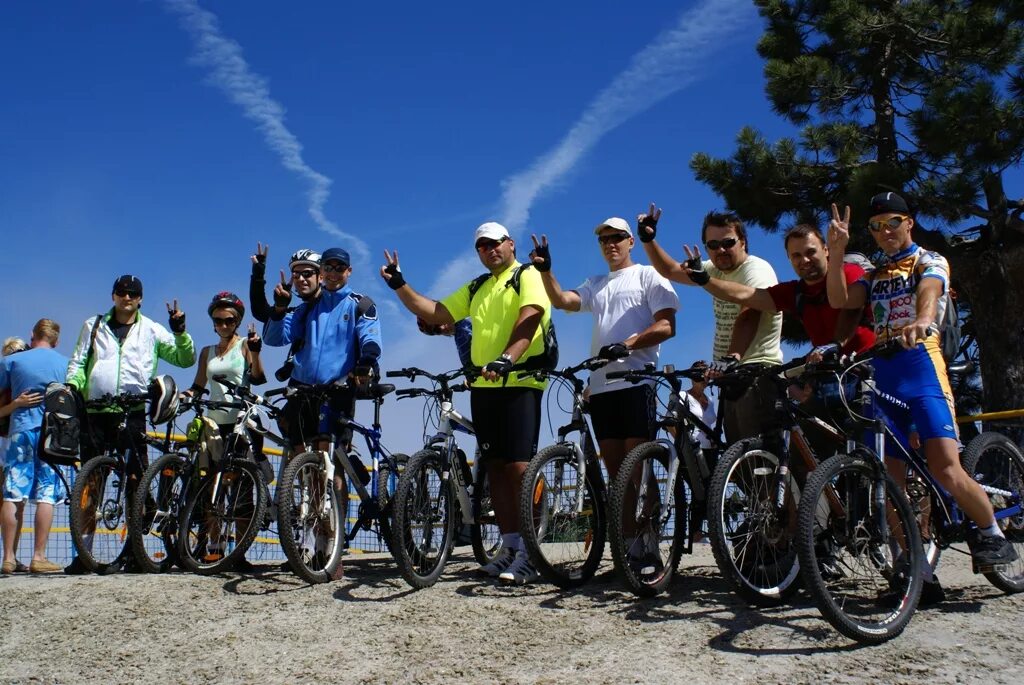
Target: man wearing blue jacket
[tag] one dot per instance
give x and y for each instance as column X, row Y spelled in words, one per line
column 340, row 338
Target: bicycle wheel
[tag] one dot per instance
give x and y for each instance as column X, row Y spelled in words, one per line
column 646, row 526
column 752, row 538
column 866, row 584
column 221, row 518
column 562, row 519
column 153, row 523
column 995, row 462
column 387, row 482
column 425, row 512
column 484, row 534
column 99, row 521
column 310, row 519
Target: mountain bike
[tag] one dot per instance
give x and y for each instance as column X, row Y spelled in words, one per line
column 854, row 513
column 439, row 489
column 312, row 508
column 563, row 500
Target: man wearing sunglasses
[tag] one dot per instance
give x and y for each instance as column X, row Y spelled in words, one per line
column 907, row 296
column 334, row 334
column 118, row 352
column 742, row 334
column 508, row 325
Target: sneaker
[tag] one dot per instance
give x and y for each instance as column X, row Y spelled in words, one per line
column 647, row 561
column 76, row 568
column 500, row 564
column 520, row 572
column 989, row 551
column 932, row 592
column 44, row 566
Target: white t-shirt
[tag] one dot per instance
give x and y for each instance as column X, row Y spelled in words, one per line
column 708, row 416
column 624, row 303
column 764, row 348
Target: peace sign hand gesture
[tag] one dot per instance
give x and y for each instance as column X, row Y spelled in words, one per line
column 694, row 265
column 839, row 230
column 259, row 260
column 391, row 272
column 282, row 292
column 175, row 318
column 541, row 254
column 647, row 224
column 253, row 340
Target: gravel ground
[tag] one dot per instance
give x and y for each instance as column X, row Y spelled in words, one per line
column 371, row 627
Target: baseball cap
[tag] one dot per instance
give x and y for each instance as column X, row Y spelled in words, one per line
column 616, row 223
column 129, row 284
column 885, row 203
column 492, row 231
column 335, row 254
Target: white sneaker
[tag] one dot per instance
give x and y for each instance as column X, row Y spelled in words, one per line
column 520, row 572
column 500, row 564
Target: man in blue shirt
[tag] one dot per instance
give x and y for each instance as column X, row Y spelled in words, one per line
column 26, row 476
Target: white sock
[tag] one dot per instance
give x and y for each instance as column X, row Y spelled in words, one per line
column 993, row 531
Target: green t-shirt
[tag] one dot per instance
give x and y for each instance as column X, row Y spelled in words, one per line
column 493, row 314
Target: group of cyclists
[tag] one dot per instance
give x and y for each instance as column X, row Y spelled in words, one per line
column 502, row 325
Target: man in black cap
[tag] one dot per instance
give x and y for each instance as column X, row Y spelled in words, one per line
column 908, row 295
column 117, row 352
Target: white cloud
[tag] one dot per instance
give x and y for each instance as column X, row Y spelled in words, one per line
column 230, row 73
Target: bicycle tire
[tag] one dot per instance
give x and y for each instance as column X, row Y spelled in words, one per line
column 219, row 503
column 311, row 528
column 89, row 506
column 628, row 548
column 889, row 598
column 155, row 549
column 484, row 534
column 423, row 497
column 387, row 483
column 564, row 546
column 743, row 485
column 994, row 460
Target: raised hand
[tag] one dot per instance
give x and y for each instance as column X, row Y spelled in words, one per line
column 647, row 224
column 694, row 265
column 391, row 272
column 175, row 317
column 259, row 260
column 253, row 340
column 541, row 255
column 283, row 292
column 839, row 230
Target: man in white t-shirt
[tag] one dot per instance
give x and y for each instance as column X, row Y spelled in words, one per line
column 634, row 312
column 746, row 335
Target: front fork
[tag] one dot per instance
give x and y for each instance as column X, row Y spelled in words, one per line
column 645, row 481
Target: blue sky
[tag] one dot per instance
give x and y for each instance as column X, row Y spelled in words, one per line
column 126, row 150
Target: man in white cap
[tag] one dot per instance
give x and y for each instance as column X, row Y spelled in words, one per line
column 511, row 317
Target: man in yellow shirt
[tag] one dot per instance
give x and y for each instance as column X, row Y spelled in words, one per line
column 509, row 312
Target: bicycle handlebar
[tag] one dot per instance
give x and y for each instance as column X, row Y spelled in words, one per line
column 569, row 372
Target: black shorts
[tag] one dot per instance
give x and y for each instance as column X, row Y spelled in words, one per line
column 507, row 422
column 624, row 414
column 104, row 434
column 310, row 415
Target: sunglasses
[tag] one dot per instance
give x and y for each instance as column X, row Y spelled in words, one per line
column 488, row 245
column 612, row 238
column 726, row 244
column 224, row 321
column 127, row 293
column 305, row 274
column 891, row 223
column 332, row 269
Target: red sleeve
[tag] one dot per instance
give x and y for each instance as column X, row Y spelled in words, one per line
column 852, row 272
column 784, row 296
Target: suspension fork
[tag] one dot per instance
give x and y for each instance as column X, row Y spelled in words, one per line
column 878, row 494
column 647, row 475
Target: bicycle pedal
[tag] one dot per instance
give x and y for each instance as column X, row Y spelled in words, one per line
column 991, row 568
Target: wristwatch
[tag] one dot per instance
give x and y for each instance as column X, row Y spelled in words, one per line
column 506, row 356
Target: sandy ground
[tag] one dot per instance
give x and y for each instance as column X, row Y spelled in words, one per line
column 371, row 627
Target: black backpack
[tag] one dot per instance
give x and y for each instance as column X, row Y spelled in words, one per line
column 62, row 430
column 548, row 359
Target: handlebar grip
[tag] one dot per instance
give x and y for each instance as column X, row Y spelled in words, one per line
column 407, row 392
column 401, row 373
column 795, row 371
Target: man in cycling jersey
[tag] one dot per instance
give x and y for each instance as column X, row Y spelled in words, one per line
column 907, row 296
column 118, row 352
column 742, row 334
column 508, row 331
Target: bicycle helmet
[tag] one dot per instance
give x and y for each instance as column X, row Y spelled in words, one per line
column 305, row 258
column 163, row 400
column 227, row 299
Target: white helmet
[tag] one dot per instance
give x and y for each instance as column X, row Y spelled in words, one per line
column 305, row 258
column 163, row 400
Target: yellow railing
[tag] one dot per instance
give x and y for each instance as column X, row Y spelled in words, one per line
column 181, row 438
column 992, row 416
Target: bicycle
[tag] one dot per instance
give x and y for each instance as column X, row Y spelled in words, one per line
column 855, row 514
column 228, row 505
column 650, row 521
column 563, row 498
column 100, row 497
column 439, row 488
column 312, row 513
column 754, row 493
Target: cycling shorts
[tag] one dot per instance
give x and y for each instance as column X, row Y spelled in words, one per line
column 507, row 422
column 917, row 378
column 310, row 415
column 624, row 414
column 104, row 434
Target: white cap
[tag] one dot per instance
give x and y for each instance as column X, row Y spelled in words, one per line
column 492, row 231
column 616, row 223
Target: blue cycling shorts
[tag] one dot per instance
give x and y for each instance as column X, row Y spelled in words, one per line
column 917, row 377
